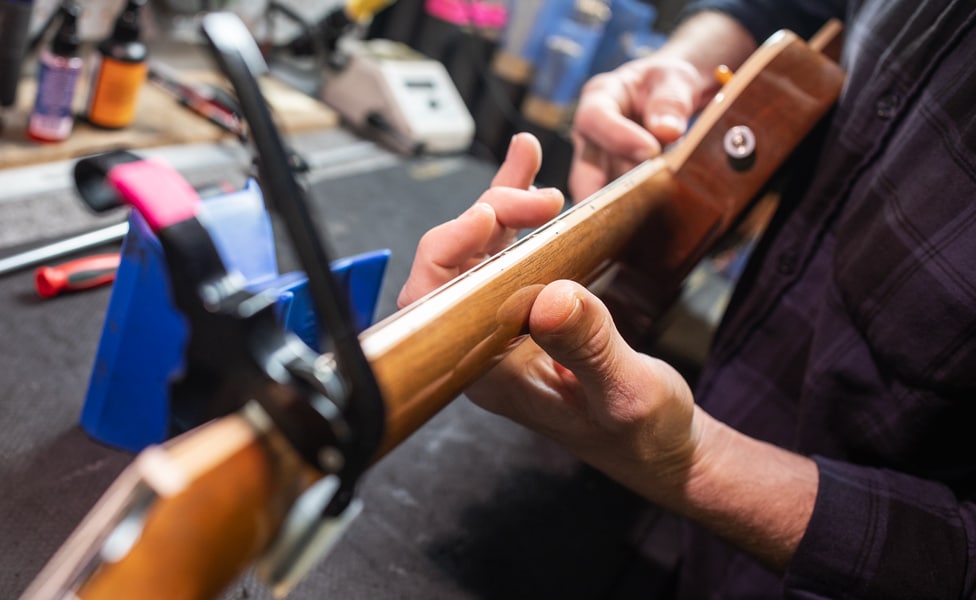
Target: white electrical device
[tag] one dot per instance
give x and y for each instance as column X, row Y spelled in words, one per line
column 390, row 89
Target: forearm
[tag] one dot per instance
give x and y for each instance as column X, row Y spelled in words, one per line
column 757, row 496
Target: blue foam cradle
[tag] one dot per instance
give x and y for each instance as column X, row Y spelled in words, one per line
column 142, row 340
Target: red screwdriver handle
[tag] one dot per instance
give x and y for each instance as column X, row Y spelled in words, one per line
column 80, row 274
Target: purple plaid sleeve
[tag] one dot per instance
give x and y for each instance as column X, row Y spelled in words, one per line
column 764, row 17
column 876, row 533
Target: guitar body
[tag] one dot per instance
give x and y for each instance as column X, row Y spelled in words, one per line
column 208, row 504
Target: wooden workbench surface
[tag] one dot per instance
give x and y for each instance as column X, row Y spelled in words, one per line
column 160, row 121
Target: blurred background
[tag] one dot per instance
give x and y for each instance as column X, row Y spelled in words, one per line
column 517, row 66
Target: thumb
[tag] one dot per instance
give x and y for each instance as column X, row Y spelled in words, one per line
column 575, row 328
column 623, row 391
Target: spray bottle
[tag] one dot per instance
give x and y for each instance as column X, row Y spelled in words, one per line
column 118, row 72
column 57, row 77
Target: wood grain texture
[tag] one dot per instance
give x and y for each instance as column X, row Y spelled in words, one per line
column 780, row 93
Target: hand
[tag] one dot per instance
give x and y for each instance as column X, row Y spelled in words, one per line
column 627, row 414
column 627, row 115
column 489, row 225
column 576, row 380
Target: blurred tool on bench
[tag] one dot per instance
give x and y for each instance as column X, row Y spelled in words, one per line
column 77, row 243
column 383, row 89
column 208, row 101
column 79, row 274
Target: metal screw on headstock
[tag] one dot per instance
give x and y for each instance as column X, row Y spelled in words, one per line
column 740, row 147
column 331, row 460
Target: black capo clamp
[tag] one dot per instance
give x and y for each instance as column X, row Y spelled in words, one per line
column 357, row 396
column 327, row 406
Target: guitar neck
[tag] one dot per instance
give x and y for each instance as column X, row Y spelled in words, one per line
column 424, row 355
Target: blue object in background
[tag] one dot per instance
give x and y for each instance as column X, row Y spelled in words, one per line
column 629, row 29
column 564, row 65
column 141, row 347
column 549, row 13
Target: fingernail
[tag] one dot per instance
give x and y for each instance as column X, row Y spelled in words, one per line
column 570, row 317
column 577, row 311
column 550, row 191
column 511, row 144
column 669, row 121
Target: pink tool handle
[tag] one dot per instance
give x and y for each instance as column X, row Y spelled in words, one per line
column 157, row 191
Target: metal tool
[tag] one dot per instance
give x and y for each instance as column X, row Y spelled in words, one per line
column 77, row 243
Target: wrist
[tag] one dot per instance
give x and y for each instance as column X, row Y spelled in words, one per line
column 707, row 40
column 756, row 495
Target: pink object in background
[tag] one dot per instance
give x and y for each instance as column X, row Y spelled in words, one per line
column 489, row 15
column 157, row 191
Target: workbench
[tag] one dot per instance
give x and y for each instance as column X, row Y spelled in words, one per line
column 471, row 506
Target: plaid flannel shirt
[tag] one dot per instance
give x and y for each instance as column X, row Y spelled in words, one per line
column 851, row 337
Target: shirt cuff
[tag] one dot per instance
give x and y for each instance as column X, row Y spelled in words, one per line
column 880, row 534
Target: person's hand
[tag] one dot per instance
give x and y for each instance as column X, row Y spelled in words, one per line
column 627, row 115
column 579, row 383
column 575, row 380
column 491, row 224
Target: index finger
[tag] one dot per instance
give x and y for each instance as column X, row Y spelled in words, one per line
column 599, row 121
column 447, row 250
column 521, row 164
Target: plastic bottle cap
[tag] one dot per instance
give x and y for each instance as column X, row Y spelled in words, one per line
column 127, row 27
column 66, row 40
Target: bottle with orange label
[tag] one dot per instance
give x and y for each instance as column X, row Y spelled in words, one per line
column 118, row 72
